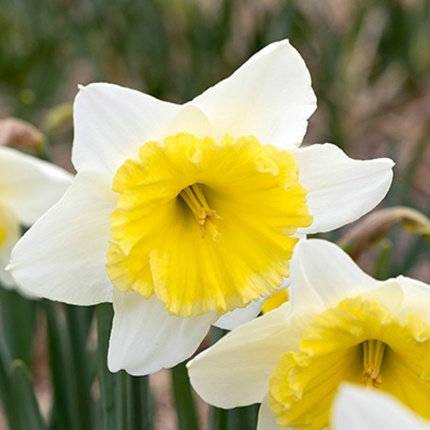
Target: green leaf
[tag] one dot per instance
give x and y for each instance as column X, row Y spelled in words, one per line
column 125, row 400
column 26, row 409
column 5, row 383
column 78, row 321
column 112, row 405
column 65, row 414
column 244, row 418
column 18, row 323
column 185, row 406
column 382, row 263
column 140, row 411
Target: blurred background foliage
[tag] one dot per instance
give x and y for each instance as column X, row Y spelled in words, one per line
column 370, row 65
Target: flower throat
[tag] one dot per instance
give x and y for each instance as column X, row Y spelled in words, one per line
column 205, row 216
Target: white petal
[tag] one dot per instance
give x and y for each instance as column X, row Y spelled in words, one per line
column 28, row 185
column 322, row 275
column 266, row 418
column 357, row 408
column 112, row 122
column 235, row 318
column 8, row 221
column 190, row 119
column 417, row 298
column 340, row 189
column 145, row 338
column 62, row 257
column 6, row 279
column 236, row 370
column 269, row 97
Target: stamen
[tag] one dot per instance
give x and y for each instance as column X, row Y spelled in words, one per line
column 195, row 199
column 373, row 353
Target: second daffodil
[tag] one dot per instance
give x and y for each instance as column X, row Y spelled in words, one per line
column 180, row 214
column 28, row 188
column 340, row 325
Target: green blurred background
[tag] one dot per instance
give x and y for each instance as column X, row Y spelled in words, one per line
column 370, row 65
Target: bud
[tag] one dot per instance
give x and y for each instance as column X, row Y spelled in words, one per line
column 376, row 225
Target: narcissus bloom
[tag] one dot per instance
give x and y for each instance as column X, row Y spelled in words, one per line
column 181, row 214
column 340, row 325
column 358, row 408
column 28, row 188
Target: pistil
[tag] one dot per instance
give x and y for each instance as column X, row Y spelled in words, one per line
column 195, row 199
column 373, row 353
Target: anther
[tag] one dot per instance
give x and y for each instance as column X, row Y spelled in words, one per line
column 195, row 199
column 373, row 353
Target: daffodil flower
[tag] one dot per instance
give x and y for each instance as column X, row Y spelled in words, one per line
column 340, row 325
column 28, row 188
column 357, row 408
column 180, row 214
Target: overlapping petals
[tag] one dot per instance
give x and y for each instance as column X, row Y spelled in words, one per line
column 339, row 325
column 112, row 126
column 137, row 323
column 9, row 235
column 80, row 225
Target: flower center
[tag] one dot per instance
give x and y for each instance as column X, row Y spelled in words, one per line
column 243, row 198
column 373, row 353
column 205, row 216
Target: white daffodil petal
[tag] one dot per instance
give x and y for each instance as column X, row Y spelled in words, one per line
column 340, row 326
column 62, row 257
column 190, row 119
column 6, row 279
column 319, row 267
column 30, row 186
column 233, row 319
column 340, row 189
column 112, row 123
column 266, row 418
column 235, row 371
column 145, row 338
column 322, row 275
column 270, row 97
column 360, row 408
column 9, row 235
column 416, row 298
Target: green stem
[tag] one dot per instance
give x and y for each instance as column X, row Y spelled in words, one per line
column 185, row 406
column 139, row 407
column 125, row 400
column 111, row 410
